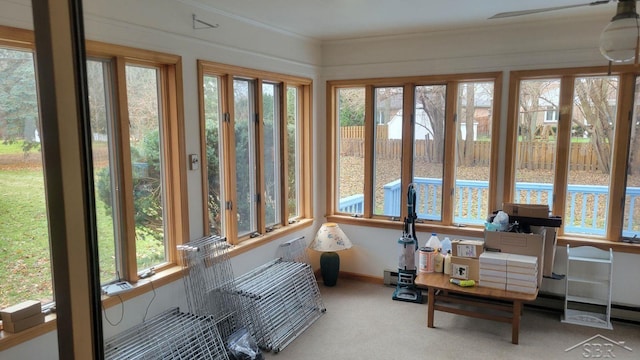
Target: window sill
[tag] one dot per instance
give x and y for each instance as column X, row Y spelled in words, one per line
column 428, row 227
column 8, row 340
column 617, row 246
column 478, row 232
column 255, row 242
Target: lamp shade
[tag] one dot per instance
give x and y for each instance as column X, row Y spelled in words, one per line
column 330, row 238
column 619, row 39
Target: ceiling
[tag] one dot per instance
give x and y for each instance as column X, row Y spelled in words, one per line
column 344, row 19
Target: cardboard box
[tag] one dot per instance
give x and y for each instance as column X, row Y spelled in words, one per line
column 23, row 324
column 550, row 241
column 20, row 311
column 467, row 248
column 465, row 268
column 517, row 243
column 526, row 210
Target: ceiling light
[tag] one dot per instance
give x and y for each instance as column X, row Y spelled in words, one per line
column 619, row 39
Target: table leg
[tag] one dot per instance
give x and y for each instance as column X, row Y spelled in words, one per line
column 515, row 321
column 431, row 301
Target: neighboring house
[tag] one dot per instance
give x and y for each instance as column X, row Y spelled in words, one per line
column 423, row 126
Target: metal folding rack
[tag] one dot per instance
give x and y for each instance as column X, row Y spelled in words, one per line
column 210, row 285
column 169, row 335
column 276, row 301
column 285, row 300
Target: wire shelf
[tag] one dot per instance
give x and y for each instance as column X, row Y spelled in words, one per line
column 169, row 335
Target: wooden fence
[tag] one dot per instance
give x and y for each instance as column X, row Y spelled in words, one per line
column 533, row 155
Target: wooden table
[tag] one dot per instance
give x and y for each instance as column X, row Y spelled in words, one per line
column 507, row 302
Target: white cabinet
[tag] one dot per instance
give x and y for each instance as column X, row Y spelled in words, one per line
column 588, row 287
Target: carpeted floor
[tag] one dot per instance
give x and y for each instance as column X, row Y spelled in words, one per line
column 362, row 322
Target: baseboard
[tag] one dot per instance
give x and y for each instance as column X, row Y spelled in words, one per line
column 553, row 302
column 360, row 277
column 354, row 276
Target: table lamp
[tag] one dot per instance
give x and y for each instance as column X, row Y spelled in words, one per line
column 328, row 240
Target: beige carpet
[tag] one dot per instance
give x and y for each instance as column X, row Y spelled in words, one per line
column 362, row 322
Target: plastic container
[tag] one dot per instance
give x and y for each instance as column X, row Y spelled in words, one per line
column 438, row 262
column 447, row 263
column 446, row 245
column 433, row 242
column 426, row 257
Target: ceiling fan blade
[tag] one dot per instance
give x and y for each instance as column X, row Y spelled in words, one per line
column 536, row 11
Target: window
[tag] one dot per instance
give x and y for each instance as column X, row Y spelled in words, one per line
column 257, row 177
column 138, row 156
column 573, row 168
column 473, row 144
column 551, row 115
column 25, row 267
column 245, row 150
column 442, row 124
column 535, row 154
column 137, row 151
column 387, row 158
column 350, row 150
column 631, row 219
column 212, row 113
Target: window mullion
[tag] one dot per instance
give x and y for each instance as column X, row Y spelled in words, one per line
column 495, row 117
column 511, row 140
column 125, row 172
column 370, row 141
column 620, row 151
column 229, row 138
column 283, row 146
column 563, row 144
column 408, row 128
column 449, row 160
column 259, row 202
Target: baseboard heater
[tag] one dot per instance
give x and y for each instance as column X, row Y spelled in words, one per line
column 548, row 301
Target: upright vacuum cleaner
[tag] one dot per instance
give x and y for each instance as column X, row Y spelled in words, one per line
column 407, row 247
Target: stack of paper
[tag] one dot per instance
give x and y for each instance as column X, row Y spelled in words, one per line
column 522, row 273
column 493, row 270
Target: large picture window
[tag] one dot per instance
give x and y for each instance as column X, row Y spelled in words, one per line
column 432, row 132
column 25, row 266
column 137, row 157
column 257, row 162
column 577, row 165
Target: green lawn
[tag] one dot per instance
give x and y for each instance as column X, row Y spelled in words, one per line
column 25, row 267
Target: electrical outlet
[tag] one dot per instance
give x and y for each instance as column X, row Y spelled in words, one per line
column 194, row 162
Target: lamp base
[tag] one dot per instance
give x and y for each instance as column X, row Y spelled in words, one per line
column 329, row 267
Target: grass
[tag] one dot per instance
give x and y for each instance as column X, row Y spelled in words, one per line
column 13, row 148
column 25, row 261
column 25, row 268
